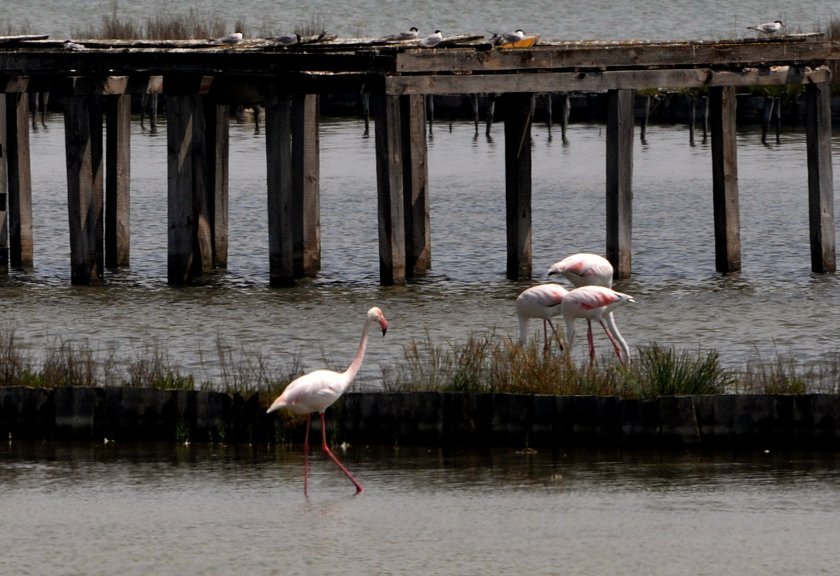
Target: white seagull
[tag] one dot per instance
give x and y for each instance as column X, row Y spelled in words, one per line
column 233, row 38
column 507, row 37
column 410, row 34
column 768, row 27
column 432, row 40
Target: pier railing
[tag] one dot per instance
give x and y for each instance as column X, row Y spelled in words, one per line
column 96, row 80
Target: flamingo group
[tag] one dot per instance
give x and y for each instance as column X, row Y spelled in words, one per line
column 592, row 298
column 318, row 390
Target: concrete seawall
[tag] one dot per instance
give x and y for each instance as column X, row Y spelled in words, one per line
column 802, row 422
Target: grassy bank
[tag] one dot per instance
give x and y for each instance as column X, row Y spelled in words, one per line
column 484, row 363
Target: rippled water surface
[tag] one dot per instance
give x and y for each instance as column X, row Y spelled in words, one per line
column 140, row 509
column 775, row 306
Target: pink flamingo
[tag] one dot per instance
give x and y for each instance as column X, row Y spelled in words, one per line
column 541, row 301
column 595, row 303
column 584, row 269
column 316, row 391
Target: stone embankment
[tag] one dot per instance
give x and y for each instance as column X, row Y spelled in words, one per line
column 801, row 422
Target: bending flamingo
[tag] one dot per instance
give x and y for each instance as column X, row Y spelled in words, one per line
column 584, row 269
column 541, row 301
column 595, row 303
column 316, row 391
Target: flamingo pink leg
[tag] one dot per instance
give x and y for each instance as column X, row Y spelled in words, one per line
column 332, row 456
column 613, row 342
column 306, row 455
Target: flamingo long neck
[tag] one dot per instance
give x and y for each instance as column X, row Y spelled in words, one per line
column 356, row 364
column 614, row 329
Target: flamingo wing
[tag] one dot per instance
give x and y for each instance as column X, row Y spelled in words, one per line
column 313, row 392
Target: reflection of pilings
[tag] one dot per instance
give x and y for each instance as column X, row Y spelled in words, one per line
column 38, row 102
column 778, row 120
column 366, row 112
column 549, row 114
column 430, row 111
column 767, row 116
column 491, row 112
column 691, row 119
column 566, row 104
column 475, row 108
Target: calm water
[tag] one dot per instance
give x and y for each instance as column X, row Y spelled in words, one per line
column 573, row 20
column 106, row 509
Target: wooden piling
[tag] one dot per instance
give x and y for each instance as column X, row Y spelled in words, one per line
column 389, row 184
column 190, row 237
column 117, row 180
column 820, row 177
column 415, row 186
column 620, row 181
column 85, row 193
column 518, row 114
column 19, row 175
column 4, row 194
column 278, row 130
column 306, row 184
column 217, row 119
column 725, row 179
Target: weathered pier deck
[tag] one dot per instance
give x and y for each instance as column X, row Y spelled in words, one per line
column 200, row 80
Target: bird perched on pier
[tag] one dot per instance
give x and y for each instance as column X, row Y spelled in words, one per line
column 543, row 302
column 584, row 269
column 410, row 34
column 70, row 46
column 499, row 38
column 232, row 38
column 432, row 40
column 286, row 39
column 318, row 390
column 769, row 28
column 595, row 303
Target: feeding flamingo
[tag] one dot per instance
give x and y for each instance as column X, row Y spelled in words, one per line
column 595, row 303
column 316, row 391
column 584, row 269
column 541, row 301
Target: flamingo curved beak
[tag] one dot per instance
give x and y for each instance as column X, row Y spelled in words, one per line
column 384, row 325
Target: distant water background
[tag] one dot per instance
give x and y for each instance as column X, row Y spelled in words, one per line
column 776, row 306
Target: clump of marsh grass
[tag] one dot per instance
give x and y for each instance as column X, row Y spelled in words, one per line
column 661, row 371
column 784, row 375
column 153, row 369
column 245, row 372
column 188, row 26
column 485, row 364
column 15, row 363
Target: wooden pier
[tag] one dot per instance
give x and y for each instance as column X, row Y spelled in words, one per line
column 200, row 80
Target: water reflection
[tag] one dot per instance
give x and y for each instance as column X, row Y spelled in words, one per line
column 167, row 509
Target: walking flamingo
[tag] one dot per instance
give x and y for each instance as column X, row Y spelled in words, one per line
column 595, row 303
column 316, row 391
column 584, row 269
column 541, row 301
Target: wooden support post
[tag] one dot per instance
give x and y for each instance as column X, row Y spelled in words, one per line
column 117, row 180
column 389, row 185
column 620, row 181
column 190, row 229
column 85, row 193
column 646, row 117
column 566, row 106
column 415, row 185
column 306, row 184
column 218, row 190
column 490, row 115
column 725, row 179
column 278, row 138
column 4, row 193
column 19, row 206
column 518, row 110
column 820, row 177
